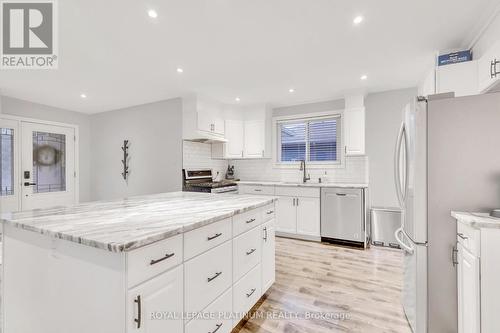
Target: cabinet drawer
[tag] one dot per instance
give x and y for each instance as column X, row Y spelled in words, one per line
column 247, row 291
column 256, row 189
column 246, row 252
column 268, row 213
column 246, row 221
column 469, row 238
column 207, row 276
column 213, row 316
column 151, row 260
column 205, row 238
column 294, row 191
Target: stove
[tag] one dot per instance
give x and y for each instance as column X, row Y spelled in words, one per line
column 202, row 181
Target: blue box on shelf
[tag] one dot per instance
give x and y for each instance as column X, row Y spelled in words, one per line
column 454, row 58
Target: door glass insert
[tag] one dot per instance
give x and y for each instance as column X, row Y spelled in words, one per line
column 6, row 161
column 49, row 162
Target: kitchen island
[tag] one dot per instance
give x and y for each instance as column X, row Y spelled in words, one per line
column 170, row 262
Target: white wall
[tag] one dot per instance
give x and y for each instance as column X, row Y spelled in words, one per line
column 21, row 108
column 384, row 112
column 355, row 169
column 155, row 135
column 489, row 36
column 197, row 155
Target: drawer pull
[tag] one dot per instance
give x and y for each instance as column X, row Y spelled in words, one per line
column 168, row 255
column 210, row 279
column 251, row 292
column 214, row 236
column 257, row 190
column 462, row 236
column 251, row 251
column 270, row 212
column 218, row 326
column 250, row 221
column 139, row 310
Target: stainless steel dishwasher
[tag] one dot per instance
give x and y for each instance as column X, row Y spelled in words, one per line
column 343, row 216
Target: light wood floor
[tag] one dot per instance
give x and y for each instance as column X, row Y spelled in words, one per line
column 314, row 277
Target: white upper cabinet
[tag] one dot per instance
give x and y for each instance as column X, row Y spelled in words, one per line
column 489, row 69
column 459, row 78
column 254, row 139
column 354, row 125
column 234, row 135
column 202, row 118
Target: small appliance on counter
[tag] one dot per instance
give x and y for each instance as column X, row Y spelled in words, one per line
column 203, row 181
column 230, row 172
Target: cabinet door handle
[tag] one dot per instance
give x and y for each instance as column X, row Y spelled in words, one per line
column 293, row 203
column 454, row 253
column 462, row 236
column 138, row 320
column 217, row 328
column 265, row 234
column 251, row 292
column 155, row 261
column 251, row 251
column 269, row 212
column 250, row 221
column 257, row 190
column 214, row 236
column 210, row 279
column 297, row 201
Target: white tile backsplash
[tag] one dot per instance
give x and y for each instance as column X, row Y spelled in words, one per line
column 355, row 170
column 196, row 155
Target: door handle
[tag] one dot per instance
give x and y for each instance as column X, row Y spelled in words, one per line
column 251, row 292
column 168, row 255
column 210, row 279
column 251, row 251
column 29, row 184
column 397, row 157
column 138, row 320
column 454, row 255
column 400, row 242
column 265, row 234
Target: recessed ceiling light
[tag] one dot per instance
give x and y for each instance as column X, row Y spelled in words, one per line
column 180, row 70
column 152, row 13
column 364, row 77
column 291, row 90
column 358, row 19
column 83, row 96
column 237, row 99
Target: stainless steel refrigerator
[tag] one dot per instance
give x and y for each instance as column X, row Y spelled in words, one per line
column 447, row 157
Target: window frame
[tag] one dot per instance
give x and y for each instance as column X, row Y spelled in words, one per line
column 308, row 117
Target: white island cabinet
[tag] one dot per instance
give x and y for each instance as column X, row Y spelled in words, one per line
column 151, row 264
column 478, row 272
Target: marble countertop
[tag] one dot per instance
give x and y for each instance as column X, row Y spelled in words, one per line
column 126, row 224
column 477, row 220
column 308, row 184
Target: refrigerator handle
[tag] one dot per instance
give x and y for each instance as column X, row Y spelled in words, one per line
column 400, row 242
column 404, row 193
column 397, row 158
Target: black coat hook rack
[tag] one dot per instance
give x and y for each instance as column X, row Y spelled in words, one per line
column 125, row 148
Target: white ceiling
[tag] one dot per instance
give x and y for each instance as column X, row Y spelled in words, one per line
column 256, row 49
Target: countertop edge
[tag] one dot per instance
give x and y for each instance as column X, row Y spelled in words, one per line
column 476, row 220
column 133, row 245
column 320, row 185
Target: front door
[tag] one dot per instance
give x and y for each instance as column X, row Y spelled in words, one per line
column 9, row 165
column 48, row 175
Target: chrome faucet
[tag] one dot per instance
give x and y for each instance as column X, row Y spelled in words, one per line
column 303, row 168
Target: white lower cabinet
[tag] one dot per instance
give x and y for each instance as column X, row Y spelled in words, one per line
column 154, row 304
column 268, row 262
column 215, row 318
column 298, row 212
column 308, row 216
column 247, row 291
column 469, row 291
column 207, row 276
